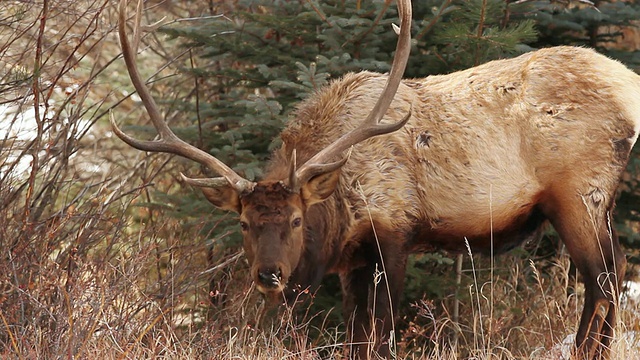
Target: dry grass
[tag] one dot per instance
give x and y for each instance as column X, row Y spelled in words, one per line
column 145, row 300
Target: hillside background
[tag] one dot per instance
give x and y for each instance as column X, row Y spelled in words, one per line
column 105, row 254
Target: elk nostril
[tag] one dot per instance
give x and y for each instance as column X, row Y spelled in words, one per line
column 270, row 277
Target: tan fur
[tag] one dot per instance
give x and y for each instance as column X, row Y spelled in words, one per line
column 498, row 135
column 489, row 153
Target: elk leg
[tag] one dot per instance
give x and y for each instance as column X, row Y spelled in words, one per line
column 355, row 292
column 596, row 252
column 368, row 290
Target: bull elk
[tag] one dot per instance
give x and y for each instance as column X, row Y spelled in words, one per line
column 488, row 154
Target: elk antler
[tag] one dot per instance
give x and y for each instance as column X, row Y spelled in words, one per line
column 168, row 142
column 370, row 127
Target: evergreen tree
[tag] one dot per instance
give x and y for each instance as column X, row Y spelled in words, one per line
column 597, row 24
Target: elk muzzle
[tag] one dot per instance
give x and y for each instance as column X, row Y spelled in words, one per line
column 269, row 277
column 273, row 254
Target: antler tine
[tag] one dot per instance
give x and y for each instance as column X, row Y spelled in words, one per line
column 169, row 142
column 370, row 127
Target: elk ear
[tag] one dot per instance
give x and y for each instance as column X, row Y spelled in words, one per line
column 320, row 187
column 223, row 197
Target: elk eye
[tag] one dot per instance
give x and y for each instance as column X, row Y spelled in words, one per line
column 244, row 225
column 296, row 222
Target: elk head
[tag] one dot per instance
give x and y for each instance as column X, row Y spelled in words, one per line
column 271, row 213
